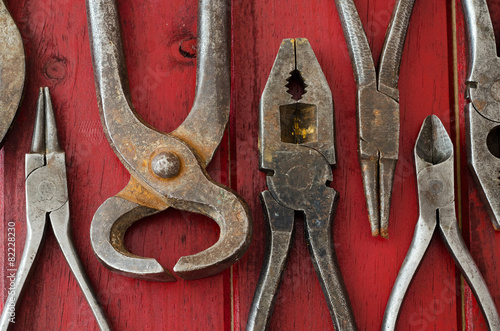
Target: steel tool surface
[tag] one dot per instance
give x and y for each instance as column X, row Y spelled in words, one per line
column 47, row 202
column 436, row 195
column 483, row 108
column 297, row 150
column 167, row 170
column 377, row 106
column 12, row 70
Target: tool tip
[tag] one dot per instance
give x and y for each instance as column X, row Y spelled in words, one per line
column 38, row 140
column 433, row 144
column 51, row 140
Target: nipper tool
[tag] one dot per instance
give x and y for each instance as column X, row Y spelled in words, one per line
column 167, row 170
column 12, row 70
column 47, row 201
column 297, row 150
column 483, row 109
column 436, row 195
column 377, row 106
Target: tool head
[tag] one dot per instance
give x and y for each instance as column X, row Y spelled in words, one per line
column 377, row 106
column 434, row 165
column 12, row 71
column 296, row 136
column 46, row 185
column 167, row 170
column 296, row 108
column 483, row 109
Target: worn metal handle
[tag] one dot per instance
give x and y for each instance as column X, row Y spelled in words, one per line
column 280, row 222
column 318, row 232
column 213, row 79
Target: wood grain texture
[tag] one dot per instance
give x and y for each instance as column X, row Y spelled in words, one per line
column 162, row 81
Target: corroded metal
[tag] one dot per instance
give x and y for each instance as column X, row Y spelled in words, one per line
column 436, row 195
column 47, row 200
column 12, row 70
column 377, row 106
column 483, row 108
column 187, row 187
column 297, row 151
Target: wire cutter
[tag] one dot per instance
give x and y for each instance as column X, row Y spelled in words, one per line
column 377, row 106
column 436, row 196
column 167, row 170
column 12, row 71
column 47, row 200
column 296, row 151
column 483, row 108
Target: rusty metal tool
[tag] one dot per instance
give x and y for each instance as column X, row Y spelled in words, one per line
column 297, row 150
column 167, row 170
column 377, row 106
column 47, row 201
column 12, row 70
column 483, row 108
column 436, row 195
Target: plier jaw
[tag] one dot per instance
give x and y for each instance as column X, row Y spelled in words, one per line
column 483, row 109
column 378, row 127
column 290, row 125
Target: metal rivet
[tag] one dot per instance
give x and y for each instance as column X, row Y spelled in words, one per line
column 165, row 165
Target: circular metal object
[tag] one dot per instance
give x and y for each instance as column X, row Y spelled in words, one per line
column 166, row 165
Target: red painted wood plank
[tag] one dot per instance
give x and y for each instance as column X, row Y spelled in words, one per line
column 369, row 265
column 483, row 241
column 56, row 40
column 162, row 82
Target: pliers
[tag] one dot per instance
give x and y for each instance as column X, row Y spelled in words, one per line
column 296, row 151
column 12, row 71
column 436, row 195
column 377, row 106
column 483, row 109
column 167, row 169
column 47, row 200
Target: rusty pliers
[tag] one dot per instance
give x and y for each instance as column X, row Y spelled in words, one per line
column 12, row 70
column 483, row 109
column 297, row 150
column 436, row 197
column 47, row 201
column 167, row 170
column 377, row 106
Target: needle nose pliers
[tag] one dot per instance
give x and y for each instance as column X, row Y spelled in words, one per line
column 47, row 201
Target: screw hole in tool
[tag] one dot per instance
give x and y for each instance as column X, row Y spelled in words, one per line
column 493, row 141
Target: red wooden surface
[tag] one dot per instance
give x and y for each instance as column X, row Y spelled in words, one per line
column 57, row 47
